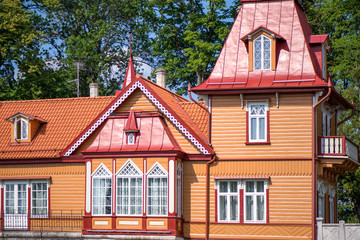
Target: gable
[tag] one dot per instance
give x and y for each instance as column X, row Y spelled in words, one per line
column 142, row 97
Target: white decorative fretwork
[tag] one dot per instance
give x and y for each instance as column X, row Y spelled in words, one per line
column 157, row 170
column 102, row 171
column 129, row 169
column 120, row 101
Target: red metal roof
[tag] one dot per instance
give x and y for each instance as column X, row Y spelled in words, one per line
column 130, row 73
column 153, row 136
column 296, row 65
column 318, row 38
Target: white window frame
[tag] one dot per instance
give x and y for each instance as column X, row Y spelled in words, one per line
column 228, row 194
column 139, row 175
column 254, row 195
column 262, row 42
column 179, row 178
column 150, row 175
column 257, row 117
column 23, row 123
column 47, row 198
column 95, row 177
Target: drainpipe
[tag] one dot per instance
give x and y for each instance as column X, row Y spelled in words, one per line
column 314, row 175
column 207, row 110
column 207, row 210
column 351, row 115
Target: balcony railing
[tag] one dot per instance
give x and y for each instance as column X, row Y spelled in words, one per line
column 338, row 146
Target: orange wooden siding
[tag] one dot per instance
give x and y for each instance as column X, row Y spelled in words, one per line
column 138, row 101
column 290, row 127
column 108, row 162
column 67, row 186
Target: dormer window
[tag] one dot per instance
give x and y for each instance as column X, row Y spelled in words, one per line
column 261, row 44
column 262, row 53
column 21, row 129
column 131, row 138
column 24, row 127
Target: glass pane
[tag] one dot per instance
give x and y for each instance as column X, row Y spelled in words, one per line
column 250, row 186
column 262, row 128
column 233, row 208
column 260, row 207
column 223, row 208
column 260, row 186
column 24, row 130
column 249, row 208
column 253, row 129
column 233, row 187
column 223, row 187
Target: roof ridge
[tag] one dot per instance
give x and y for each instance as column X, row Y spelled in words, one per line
column 54, row 99
column 167, row 90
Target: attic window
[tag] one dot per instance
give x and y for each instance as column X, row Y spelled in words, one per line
column 261, row 44
column 262, row 53
column 21, row 129
column 131, row 138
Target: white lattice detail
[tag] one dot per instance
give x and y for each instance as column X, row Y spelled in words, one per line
column 157, row 170
column 173, row 120
column 102, row 119
column 129, row 169
column 157, row 104
column 102, row 171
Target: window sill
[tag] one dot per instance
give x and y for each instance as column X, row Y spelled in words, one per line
column 258, row 143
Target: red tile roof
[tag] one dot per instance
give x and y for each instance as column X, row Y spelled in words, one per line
column 296, row 65
column 66, row 118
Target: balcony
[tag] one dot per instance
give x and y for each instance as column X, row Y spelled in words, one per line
column 338, row 147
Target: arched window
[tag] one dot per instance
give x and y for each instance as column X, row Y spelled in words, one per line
column 129, row 190
column 262, row 53
column 101, row 191
column 21, row 129
column 157, row 193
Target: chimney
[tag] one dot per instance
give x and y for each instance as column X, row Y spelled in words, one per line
column 94, row 89
column 161, row 77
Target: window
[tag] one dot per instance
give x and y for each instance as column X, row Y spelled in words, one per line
column 257, row 129
column 228, row 201
column 255, row 201
column 179, row 190
column 157, row 197
column 21, row 129
column 39, row 199
column 262, row 53
column 129, row 190
column 101, row 191
column 131, row 138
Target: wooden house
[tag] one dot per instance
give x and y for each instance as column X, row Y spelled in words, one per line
column 257, row 159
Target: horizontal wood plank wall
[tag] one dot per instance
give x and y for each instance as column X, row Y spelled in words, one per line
column 290, row 199
column 289, row 193
column 290, row 127
column 138, row 101
column 67, row 187
column 108, row 162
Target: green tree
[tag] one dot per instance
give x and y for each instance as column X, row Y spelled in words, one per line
column 188, row 38
column 94, row 32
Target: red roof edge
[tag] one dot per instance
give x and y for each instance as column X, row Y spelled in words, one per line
column 261, row 28
column 318, row 38
column 131, row 125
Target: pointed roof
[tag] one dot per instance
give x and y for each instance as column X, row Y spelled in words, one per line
column 130, row 71
column 131, row 125
column 296, row 63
